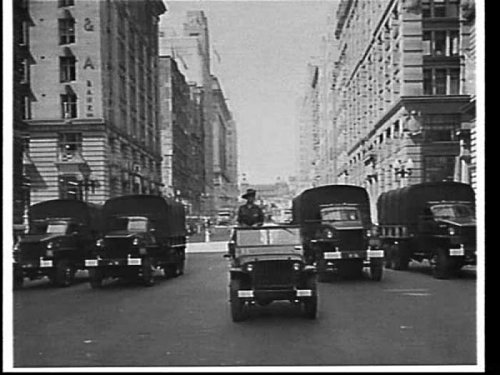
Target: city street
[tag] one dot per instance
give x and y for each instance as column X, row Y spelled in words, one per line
column 409, row 318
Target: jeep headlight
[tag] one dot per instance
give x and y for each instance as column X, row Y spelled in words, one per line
column 452, row 231
column 297, row 266
column 100, row 242
column 249, row 267
column 135, row 242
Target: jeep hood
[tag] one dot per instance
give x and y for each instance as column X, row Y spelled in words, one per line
column 269, row 257
column 121, row 234
column 345, row 225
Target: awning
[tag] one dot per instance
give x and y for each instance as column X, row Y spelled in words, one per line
column 67, row 52
column 66, row 14
column 68, row 90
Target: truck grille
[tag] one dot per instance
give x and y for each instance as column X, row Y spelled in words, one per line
column 30, row 252
column 117, row 247
column 351, row 240
column 469, row 236
column 273, row 274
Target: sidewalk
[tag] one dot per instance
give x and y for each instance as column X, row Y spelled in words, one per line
column 207, row 247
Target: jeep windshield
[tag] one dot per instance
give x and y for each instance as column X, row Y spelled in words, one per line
column 130, row 223
column 452, row 211
column 340, row 214
column 268, row 237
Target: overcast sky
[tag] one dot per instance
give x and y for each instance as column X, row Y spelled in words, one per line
column 264, row 48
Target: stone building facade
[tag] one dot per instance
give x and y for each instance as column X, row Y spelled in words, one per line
column 93, row 129
column 398, row 90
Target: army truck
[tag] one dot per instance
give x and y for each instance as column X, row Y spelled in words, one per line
column 336, row 231
column 62, row 233
column 432, row 221
column 141, row 233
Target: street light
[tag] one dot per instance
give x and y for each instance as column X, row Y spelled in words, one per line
column 403, row 169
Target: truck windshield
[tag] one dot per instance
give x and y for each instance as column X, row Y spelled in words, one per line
column 452, row 211
column 131, row 224
column 339, row 214
column 57, row 227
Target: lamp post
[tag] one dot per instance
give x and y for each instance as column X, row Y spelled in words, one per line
column 403, row 170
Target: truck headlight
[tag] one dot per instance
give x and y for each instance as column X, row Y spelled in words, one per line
column 296, row 266
column 100, row 243
column 451, row 231
column 328, row 233
column 17, row 246
column 249, row 267
column 135, row 242
column 50, row 245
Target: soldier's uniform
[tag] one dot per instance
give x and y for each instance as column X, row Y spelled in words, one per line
column 250, row 214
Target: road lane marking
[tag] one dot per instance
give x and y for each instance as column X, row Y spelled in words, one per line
column 417, row 294
column 405, row 290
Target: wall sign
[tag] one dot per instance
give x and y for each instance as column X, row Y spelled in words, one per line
column 89, row 99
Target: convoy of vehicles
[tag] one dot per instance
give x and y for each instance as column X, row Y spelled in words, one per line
column 141, row 233
column 267, row 265
column 433, row 221
column 62, row 233
column 331, row 232
column 336, row 231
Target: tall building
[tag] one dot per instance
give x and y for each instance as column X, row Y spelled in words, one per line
column 309, row 131
column 182, row 137
column 191, row 51
column 398, row 90
column 94, row 125
column 21, row 111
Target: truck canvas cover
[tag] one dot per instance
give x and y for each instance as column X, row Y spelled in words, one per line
column 306, row 206
column 86, row 213
column 404, row 206
column 167, row 215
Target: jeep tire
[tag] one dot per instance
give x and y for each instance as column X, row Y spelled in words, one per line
column 238, row 309
column 310, row 305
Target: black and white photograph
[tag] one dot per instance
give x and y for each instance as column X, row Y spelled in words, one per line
column 243, row 186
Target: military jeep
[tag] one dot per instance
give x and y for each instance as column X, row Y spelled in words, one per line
column 267, row 265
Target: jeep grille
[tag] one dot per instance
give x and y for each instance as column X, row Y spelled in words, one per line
column 273, row 274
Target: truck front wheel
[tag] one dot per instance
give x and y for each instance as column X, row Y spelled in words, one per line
column 95, row 278
column 399, row 257
column 441, row 264
column 64, row 273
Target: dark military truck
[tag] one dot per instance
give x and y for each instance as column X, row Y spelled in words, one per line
column 61, row 236
column 141, row 233
column 336, row 231
column 433, row 221
column 267, row 265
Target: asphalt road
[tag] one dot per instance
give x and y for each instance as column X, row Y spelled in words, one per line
column 409, row 318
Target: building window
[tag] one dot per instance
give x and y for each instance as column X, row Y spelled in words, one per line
column 25, row 110
column 441, row 81
column 454, row 81
column 66, row 30
column 453, row 38
column 23, row 33
column 70, row 188
column 70, row 145
column 66, row 3
column 68, row 106
column 440, row 8
column 67, row 68
column 24, row 71
column 438, row 168
column 439, row 43
column 440, row 128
